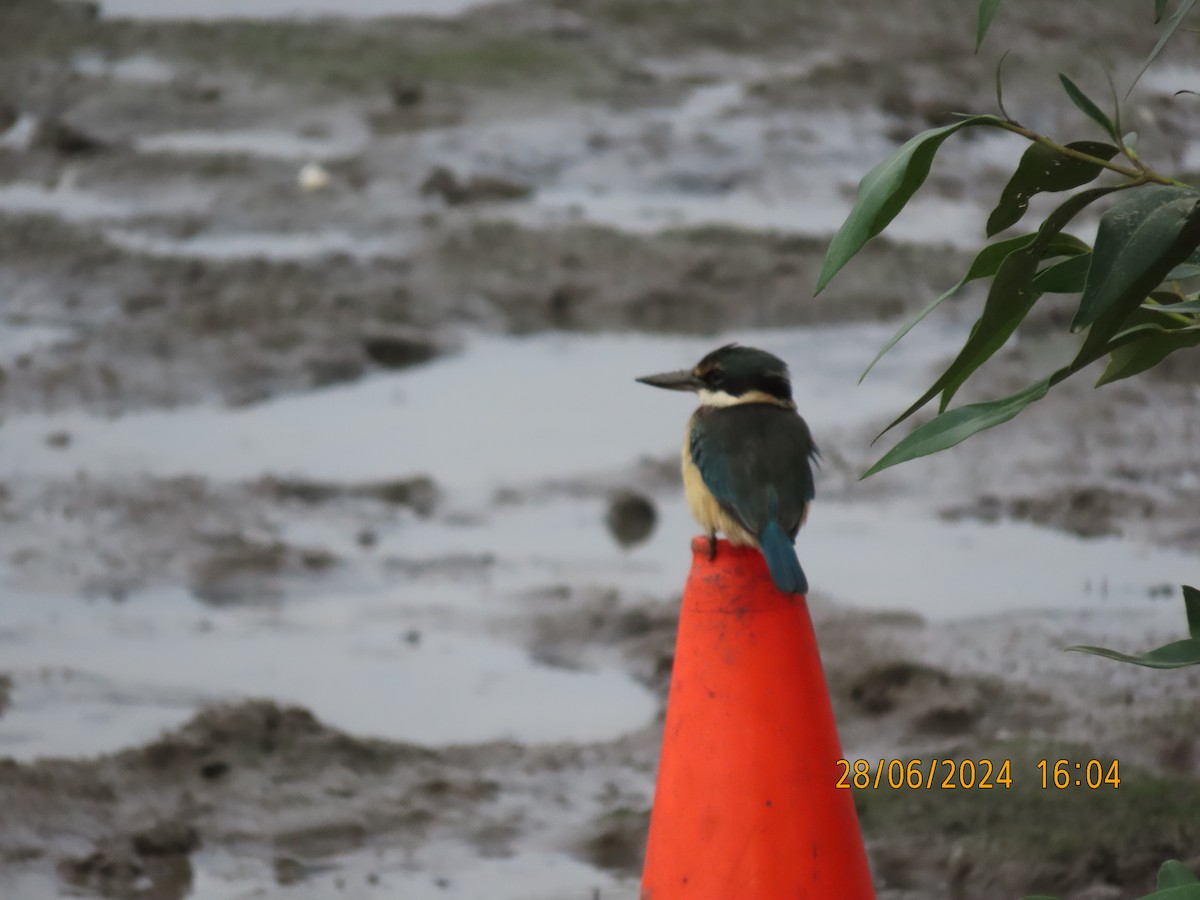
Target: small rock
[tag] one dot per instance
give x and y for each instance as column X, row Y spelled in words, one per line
column 442, row 182
column 618, row 842
column 217, row 768
column 58, row 439
column 289, row 870
column 313, row 177
column 406, row 94
column 399, row 348
column 631, row 518
column 167, row 838
column 57, row 135
column 882, row 689
column 420, row 492
column 317, row 559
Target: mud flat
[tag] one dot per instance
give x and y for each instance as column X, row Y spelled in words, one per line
column 339, row 552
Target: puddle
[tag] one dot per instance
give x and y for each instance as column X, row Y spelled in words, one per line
column 95, row 677
column 271, row 144
column 551, row 406
column 283, row 9
column 74, row 204
column 710, row 160
column 139, row 69
column 820, row 213
column 941, row 570
column 261, row 245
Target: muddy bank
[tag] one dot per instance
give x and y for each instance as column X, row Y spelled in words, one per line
column 315, row 382
column 272, row 784
column 164, row 332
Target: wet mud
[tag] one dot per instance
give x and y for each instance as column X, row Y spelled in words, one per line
column 222, row 218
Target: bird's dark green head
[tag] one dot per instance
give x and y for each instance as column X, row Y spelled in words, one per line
column 731, row 375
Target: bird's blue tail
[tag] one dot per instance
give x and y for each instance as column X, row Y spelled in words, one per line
column 780, row 554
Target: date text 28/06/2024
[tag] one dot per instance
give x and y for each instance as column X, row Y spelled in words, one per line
column 968, row 774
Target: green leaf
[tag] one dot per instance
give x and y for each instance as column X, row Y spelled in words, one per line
column 957, row 425
column 1146, row 351
column 1171, row 656
column 1190, row 268
column 885, row 190
column 1191, row 602
column 1190, row 306
column 987, row 11
column 1042, row 169
column 1067, row 277
column 1173, row 873
column 1089, row 108
column 1179, row 892
column 1140, row 240
column 1009, row 299
column 985, row 264
column 1181, row 11
column 1160, row 7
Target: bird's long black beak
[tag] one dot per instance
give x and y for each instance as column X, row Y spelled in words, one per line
column 683, row 380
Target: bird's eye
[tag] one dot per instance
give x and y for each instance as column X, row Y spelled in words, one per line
column 716, row 378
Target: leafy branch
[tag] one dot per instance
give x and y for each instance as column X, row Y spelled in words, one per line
column 1145, row 242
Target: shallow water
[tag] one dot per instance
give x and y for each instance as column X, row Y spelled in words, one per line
column 276, row 246
column 95, row 677
column 550, row 406
column 282, row 145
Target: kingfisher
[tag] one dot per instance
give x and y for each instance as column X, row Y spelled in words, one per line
column 747, row 456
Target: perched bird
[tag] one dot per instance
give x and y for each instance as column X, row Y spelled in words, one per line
column 747, row 456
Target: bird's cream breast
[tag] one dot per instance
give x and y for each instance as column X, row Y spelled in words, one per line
column 704, row 506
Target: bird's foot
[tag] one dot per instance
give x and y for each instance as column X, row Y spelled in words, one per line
column 712, row 547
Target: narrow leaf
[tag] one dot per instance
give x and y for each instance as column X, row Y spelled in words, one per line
column 1189, row 268
column 1140, row 240
column 1173, row 873
column 1189, row 306
column 1044, row 169
column 1089, row 108
column 1009, row 300
column 957, row 425
column 1180, row 892
column 1108, row 335
column 1170, row 656
column 1191, row 602
column 1067, row 277
column 885, row 190
column 987, row 11
column 1146, row 352
column 1181, row 11
column 985, row 264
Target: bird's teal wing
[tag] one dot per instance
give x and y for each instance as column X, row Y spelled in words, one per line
column 755, row 459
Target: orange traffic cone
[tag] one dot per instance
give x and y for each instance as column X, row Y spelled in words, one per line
column 746, row 806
